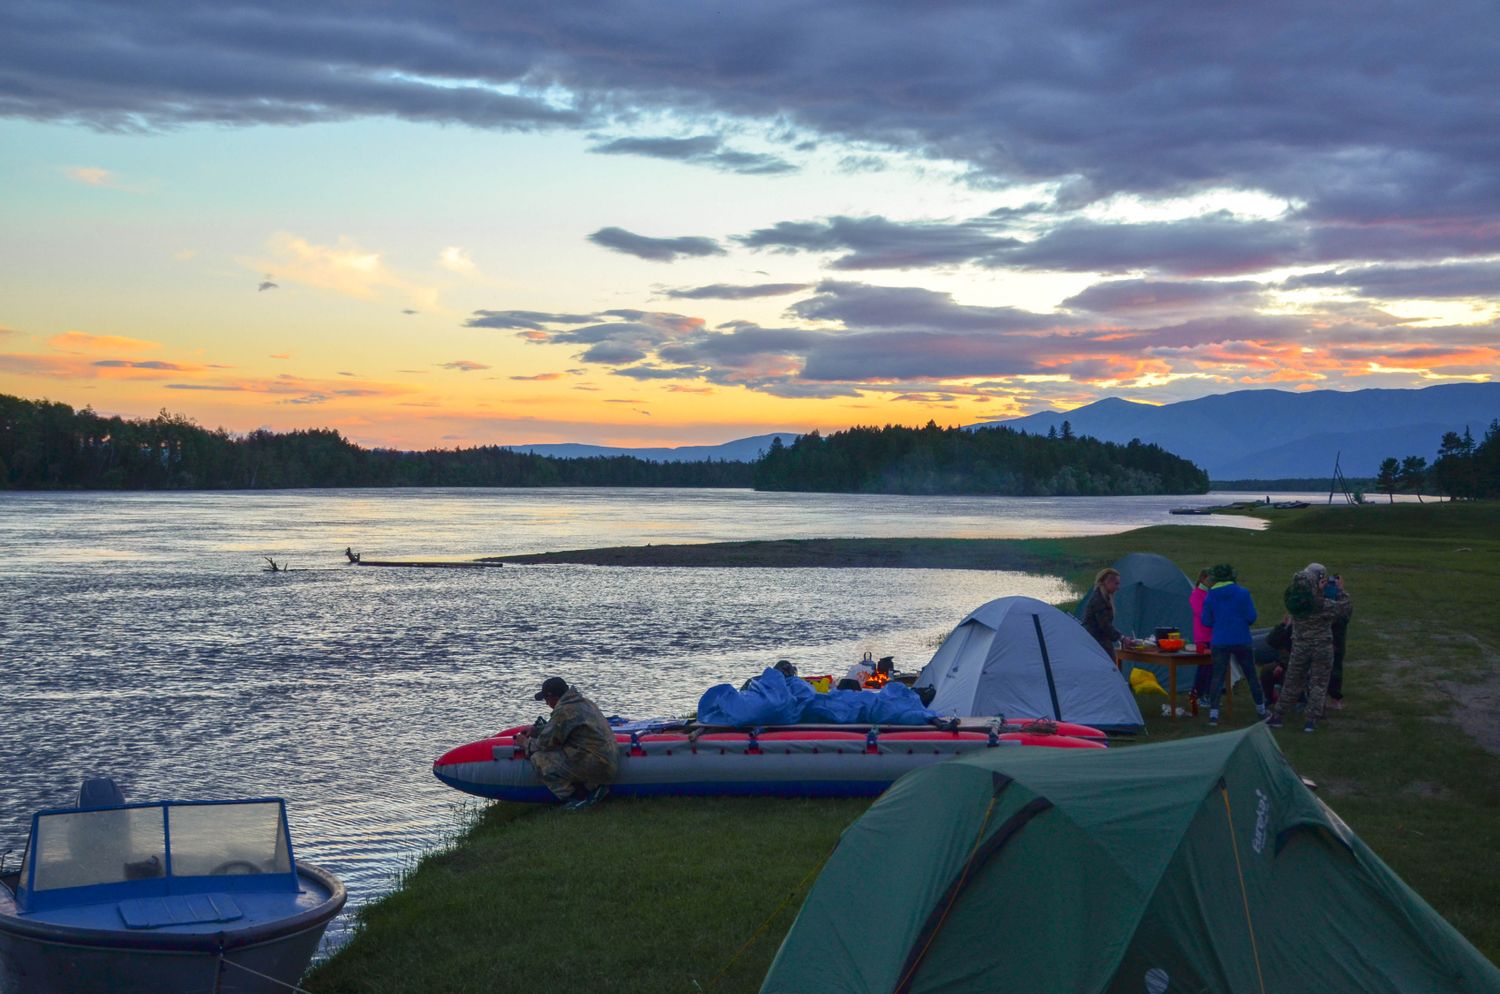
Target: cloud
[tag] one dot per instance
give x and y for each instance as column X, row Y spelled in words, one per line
column 463, row 365
column 708, row 150
column 1474, row 279
column 1144, row 295
column 655, row 249
column 82, row 341
column 345, row 267
column 541, row 377
column 1394, row 122
column 725, row 291
column 455, row 259
column 1217, row 245
column 862, row 305
column 153, row 364
column 529, row 320
column 92, row 176
column 879, row 243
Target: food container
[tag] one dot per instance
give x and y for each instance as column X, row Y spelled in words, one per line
column 1170, row 645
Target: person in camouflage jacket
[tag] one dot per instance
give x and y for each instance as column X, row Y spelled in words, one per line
column 1311, row 661
column 574, row 751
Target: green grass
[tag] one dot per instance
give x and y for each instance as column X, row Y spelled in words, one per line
column 695, row 894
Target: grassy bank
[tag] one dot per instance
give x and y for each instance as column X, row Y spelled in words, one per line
column 691, row 894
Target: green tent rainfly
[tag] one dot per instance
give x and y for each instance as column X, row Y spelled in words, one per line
column 1202, row 865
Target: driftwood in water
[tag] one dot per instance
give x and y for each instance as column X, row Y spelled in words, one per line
column 275, row 567
column 419, row 564
column 355, row 559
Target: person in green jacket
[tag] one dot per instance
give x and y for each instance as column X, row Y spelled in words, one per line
column 574, row 751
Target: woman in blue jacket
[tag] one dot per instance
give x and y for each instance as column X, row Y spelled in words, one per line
column 1230, row 611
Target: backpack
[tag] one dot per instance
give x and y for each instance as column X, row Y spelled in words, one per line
column 1302, row 598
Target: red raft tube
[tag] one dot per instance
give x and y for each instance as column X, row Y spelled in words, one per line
column 782, row 762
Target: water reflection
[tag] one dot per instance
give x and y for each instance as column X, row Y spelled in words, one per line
column 143, row 641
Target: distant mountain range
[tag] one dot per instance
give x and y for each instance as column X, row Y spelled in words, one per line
column 739, row 450
column 1276, row 434
column 1245, row 435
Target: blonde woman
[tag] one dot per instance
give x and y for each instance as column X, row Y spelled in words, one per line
column 1099, row 615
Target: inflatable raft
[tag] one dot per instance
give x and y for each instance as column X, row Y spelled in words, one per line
column 790, row 761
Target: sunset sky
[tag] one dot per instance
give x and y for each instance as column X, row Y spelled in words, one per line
column 662, row 223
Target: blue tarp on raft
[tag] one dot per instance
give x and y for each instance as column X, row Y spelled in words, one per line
column 776, row 699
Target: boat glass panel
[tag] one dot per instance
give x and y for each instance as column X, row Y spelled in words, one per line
column 228, row 839
column 84, row 848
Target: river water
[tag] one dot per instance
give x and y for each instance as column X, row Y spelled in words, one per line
column 142, row 638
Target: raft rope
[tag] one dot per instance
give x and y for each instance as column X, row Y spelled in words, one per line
column 755, row 936
column 280, row 983
column 1244, row 896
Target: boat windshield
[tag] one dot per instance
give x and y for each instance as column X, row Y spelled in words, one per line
column 166, row 841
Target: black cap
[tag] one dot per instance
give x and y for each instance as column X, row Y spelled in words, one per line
column 553, row 686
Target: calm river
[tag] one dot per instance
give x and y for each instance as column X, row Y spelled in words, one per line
column 141, row 638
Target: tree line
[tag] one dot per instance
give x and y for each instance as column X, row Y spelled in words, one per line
column 933, row 460
column 1464, row 469
column 47, row 445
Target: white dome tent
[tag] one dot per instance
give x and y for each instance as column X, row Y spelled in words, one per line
column 1022, row 658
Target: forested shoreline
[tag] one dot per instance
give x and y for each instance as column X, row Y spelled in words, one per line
column 50, row 446
column 46, row 445
column 933, row 460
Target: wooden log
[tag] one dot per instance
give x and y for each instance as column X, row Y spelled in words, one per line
column 428, row 564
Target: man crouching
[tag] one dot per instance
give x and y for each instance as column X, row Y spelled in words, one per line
column 573, row 752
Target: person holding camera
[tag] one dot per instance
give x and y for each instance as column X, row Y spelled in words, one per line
column 574, row 751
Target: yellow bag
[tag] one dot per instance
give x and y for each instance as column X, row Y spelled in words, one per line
column 1143, row 681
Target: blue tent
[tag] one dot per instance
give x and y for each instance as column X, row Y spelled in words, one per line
column 1022, row 658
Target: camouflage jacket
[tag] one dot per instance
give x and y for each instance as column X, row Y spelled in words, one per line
column 579, row 730
column 1310, row 629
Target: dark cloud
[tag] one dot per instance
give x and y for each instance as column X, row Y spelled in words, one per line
column 1128, row 296
column 1218, row 245
column 523, row 320
column 879, row 243
column 861, row 305
column 649, row 372
column 1395, row 121
column 1475, row 279
column 655, row 249
column 707, row 150
column 725, row 291
column 141, row 364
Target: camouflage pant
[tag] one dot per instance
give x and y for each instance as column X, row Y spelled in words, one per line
column 1308, row 669
column 562, row 775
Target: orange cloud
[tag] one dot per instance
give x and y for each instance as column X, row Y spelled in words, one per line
column 72, row 367
column 82, row 341
column 345, row 267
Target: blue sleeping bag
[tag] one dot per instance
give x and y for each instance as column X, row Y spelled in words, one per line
column 770, row 699
column 775, row 699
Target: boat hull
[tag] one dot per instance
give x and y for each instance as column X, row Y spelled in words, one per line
column 773, row 764
column 37, row 957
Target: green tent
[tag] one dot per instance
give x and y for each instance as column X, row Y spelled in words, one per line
column 1202, row 865
column 1153, row 594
